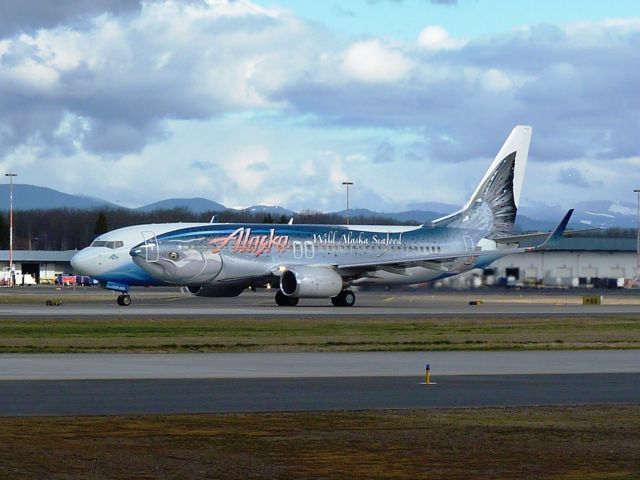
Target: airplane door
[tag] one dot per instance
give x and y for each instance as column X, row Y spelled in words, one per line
column 152, row 252
column 468, row 243
column 468, row 246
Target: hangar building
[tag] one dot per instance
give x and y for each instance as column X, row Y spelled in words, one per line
column 575, row 261
column 42, row 265
column 572, row 262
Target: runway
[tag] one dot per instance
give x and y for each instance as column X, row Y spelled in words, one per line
column 100, row 304
column 111, row 397
column 319, row 311
column 307, row 365
column 101, row 384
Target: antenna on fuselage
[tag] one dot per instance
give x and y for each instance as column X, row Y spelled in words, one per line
column 290, row 222
column 213, row 219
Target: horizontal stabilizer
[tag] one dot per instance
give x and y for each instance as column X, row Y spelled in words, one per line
column 554, row 236
column 558, row 231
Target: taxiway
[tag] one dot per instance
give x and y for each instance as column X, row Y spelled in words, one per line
column 100, row 384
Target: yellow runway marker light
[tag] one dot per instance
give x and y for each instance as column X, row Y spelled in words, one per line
column 427, row 376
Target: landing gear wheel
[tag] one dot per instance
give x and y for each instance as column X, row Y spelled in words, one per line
column 124, row 300
column 283, row 301
column 345, row 298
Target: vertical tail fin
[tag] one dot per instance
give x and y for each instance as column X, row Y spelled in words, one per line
column 494, row 203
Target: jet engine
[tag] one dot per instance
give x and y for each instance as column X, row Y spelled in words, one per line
column 310, row 282
column 215, row 290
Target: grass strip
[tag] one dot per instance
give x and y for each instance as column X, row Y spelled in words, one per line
column 316, row 334
column 568, row 443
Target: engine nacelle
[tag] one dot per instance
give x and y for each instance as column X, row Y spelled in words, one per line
column 215, row 290
column 311, row 282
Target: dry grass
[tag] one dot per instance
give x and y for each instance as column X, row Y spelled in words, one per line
column 533, row 443
column 305, row 334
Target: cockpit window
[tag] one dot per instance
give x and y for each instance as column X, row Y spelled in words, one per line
column 112, row 244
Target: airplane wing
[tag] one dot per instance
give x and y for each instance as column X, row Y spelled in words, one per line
column 436, row 261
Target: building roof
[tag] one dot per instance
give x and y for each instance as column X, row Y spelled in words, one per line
column 597, row 244
column 582, row 244
column 40, row 256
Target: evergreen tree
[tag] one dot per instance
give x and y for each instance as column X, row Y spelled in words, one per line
column 267, row 218
column 101, row 224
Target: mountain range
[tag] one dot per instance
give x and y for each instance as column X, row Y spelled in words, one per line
column 588, row 214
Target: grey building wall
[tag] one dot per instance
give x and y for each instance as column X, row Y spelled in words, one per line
column 42, row 264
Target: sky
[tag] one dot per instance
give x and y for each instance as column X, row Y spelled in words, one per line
column 278, row 102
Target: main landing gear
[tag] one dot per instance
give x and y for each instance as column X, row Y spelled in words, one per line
column 283, row 301
column 345, row 298
column 124, row 300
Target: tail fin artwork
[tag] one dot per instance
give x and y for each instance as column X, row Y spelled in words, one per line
column 494, row 203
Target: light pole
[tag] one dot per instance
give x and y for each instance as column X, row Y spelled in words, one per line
column 11, row 272
column 637, row 191
column 346, row 184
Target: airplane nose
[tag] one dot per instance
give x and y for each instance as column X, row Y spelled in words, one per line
column 80, row 263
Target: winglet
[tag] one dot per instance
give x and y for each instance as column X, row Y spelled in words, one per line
column 557, row 232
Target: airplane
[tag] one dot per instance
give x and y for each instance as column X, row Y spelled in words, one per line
column 326, row 261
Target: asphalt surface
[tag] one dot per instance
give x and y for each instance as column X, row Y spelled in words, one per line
column 100, row 384
column 112, row 366
column 97, row 303
column 110, row 397
column 405, row 311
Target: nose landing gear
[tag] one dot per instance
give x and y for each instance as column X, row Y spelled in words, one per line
column 124, row 300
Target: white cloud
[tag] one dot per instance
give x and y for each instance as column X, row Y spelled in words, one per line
column 239, row 167
column 356, row 157
column 496, row 81
column 435, row 37
column 126, row 75
column 370, row 61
